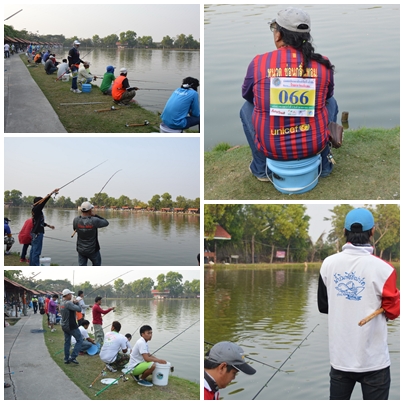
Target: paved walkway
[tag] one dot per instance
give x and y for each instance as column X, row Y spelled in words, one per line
column 26, row 109
column 36, row 376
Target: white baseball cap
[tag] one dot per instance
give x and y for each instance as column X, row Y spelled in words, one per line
column 86, row 206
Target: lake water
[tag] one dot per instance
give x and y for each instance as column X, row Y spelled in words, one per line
column 158, row 72
column 168, row 318
column 132, row 238
column 367, row 64
column 268, row 313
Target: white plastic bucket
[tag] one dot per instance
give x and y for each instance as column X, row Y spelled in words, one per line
column 45, row 261
column 66, row 77
column 160, row 374
column 166, row 129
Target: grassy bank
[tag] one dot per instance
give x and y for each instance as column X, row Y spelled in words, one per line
column 83, row 118
column 90, row 367
column 14, row 260
column 367, row 168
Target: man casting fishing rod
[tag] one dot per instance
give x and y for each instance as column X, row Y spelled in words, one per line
column 74, row 63
column 352, row 285
column 221, row 366
column 87, row 226
column 38, row 229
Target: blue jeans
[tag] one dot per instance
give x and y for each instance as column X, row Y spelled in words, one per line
column 24, row 250
column 68, row 339
column 375, row 385
column 85, row 345
column 95, row 258
column 258, row 165
column 74, row 71
column 192, row 121
column 36, row 249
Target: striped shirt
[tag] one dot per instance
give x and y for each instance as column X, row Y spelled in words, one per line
column 284, row 137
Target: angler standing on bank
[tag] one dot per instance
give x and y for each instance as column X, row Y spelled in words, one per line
column 352, row 285
column 87, row 226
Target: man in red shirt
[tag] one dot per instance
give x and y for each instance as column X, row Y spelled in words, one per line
column 97, row 320
column 46, row 308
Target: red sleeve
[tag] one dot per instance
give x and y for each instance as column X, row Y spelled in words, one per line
column 391, row 297
column 104, row 311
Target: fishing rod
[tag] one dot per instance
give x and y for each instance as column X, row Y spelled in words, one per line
column 40, row 201
column 146, row 123
column 280, row 367
column 95, row 199
column 59, row 239
column 107, row 109
column 255, row 360
column 83, row 103
column 371, row 316
column 155, row 89
column 117, row 320
column 88, row 294
column 174, row 337
column 13, row 15
column 87, row 53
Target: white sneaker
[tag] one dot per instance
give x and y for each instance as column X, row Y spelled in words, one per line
column 77, row 91
column 53, row 330
column 110, row 368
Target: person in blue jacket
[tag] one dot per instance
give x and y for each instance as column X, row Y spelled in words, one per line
column 182, row 108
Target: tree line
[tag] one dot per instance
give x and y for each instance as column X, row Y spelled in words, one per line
column 126, row 38
column 172, row 282
column 16, row 198
column 258, row 232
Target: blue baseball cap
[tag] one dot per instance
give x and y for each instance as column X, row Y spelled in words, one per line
column 361, row 216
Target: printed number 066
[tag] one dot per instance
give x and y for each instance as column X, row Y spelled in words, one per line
column 293, row 98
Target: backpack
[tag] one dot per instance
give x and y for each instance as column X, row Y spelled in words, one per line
column 24, row 236
column 42, row 311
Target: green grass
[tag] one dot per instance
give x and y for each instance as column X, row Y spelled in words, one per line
column 90, row 366
column 14, row 260
column 83, row 118
column 367, row 168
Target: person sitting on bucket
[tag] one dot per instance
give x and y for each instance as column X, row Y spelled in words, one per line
column 85, row 76
column 8, row 237
column 289, row 98
column 87, row 342
column 122, row 92
column 113, row 352
column 182, row 108
column 141, row 361
column 223, row 362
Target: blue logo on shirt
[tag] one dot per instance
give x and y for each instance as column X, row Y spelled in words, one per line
column 349, row 285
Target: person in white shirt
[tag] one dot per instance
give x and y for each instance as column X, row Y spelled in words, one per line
column 110, row 351
column 87, row 341
column 141, row 362
column 63, row 69
column 83, row 306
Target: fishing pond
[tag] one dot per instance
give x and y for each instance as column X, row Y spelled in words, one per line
column 269, row 313
column 367, row 64
column 168, row 318
column 132, row 238
column 156, row 72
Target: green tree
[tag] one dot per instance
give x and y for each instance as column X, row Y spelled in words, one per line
column 167, row 42
column 173, row 283
column 181, row 41
column 96, row 40
column 166, row 201
column 131, row 38
column 14, row 197
column 80, row 200
column 145, row 41
column 118, row 286
column 336, row 235
column 161, row 283
column 123, row 200
column 155, row 202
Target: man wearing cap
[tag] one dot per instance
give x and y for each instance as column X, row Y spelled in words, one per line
column 108, row 79
column 74, row 63
column 87, row 226
column 222, row 364
column 68, row 309
column 50, row 65
column 352, row 285
column 8, row 237
column 289, row 98
column 85, row 76
column 122, row 92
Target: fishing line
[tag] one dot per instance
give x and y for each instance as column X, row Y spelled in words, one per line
column 262, row 388
column 59, row 239
column 175, row 337
column 255, row 360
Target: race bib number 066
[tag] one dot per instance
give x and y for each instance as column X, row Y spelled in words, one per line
column 292, row 96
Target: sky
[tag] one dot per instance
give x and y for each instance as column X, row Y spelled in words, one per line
column 86, row 20
column 150, row 165
column 102, row 276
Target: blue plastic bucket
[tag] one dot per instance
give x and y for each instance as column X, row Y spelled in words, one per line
column 294, row 176
column 86, row 88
